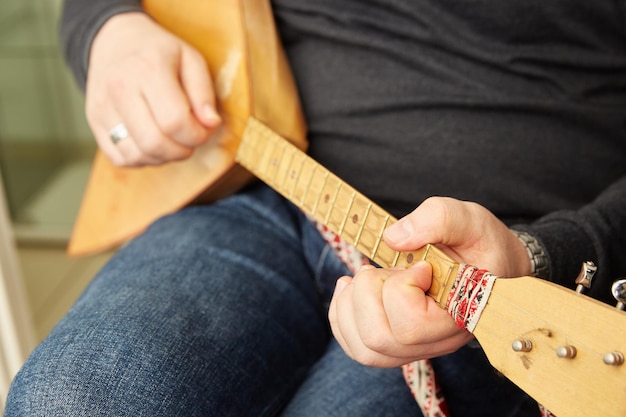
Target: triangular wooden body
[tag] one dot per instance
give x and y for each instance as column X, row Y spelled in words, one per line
column 252, row 78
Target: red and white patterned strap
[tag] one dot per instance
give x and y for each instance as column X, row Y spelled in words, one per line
column 421, row 379
column 469, row 294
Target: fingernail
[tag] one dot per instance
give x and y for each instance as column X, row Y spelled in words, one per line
column 210, row 115
column 399, row 232
column 420, row 265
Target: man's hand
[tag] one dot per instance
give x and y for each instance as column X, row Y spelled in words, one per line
column 384, row 318
column 158, row 86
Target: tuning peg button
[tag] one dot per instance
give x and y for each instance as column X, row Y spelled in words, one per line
column 619, row 293
column 522, row 345
column 585, row 276
column 613, row 358
column 567, row 352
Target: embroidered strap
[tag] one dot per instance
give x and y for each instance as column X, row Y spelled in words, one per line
column 469, row 295
column 421, row 379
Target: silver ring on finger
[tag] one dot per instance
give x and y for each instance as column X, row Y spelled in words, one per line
column 118, row 133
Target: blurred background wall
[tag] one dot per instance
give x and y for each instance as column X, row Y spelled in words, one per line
column 46, row 150
column 45, row 144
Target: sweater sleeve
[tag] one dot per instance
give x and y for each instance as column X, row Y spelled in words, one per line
column 80, row 21
column 596, row 232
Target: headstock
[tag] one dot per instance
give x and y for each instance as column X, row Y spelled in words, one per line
column 563, row 348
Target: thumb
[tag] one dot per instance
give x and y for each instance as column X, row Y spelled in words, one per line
column 438, row 220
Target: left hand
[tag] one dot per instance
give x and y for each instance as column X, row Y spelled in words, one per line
column 384, row 318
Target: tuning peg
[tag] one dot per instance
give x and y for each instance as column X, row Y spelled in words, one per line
column 566, row 352
column 587, row 271
column 613, row 358
column 522, row 345
column 619, row 293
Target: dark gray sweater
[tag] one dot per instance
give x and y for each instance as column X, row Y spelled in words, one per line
column 519, row 106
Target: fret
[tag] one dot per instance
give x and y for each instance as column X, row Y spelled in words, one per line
column 277, row 160
column 319, row 196
column 356, row 226
column 379, row 238
column 307, row 189
column 299, row 192
column 289, row 174
column 406, row 259
column 395, row 260
column 340, row 210
column 346, row 214
column 263, row 160
column 257, row 154
column 282, row 180
column 271, row 148
column 426, row 252
column 291, row 153
column 384, row 254
column 363, row 222
column 331, row 206
column 295, row 174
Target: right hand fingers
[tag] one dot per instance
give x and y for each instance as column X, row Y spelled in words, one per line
column 180, row 97
column 156, row 85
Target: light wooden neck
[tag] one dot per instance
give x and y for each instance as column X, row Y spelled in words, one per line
column 518, row 309
column 326, row 198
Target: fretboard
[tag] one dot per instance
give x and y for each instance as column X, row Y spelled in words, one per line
column 329, row 200
column 518, row 309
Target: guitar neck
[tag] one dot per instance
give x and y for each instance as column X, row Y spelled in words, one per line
column 518, row 309
column 329, row 200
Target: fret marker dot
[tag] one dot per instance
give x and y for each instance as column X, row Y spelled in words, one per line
column 326, row 198
column 292, row 174
column 409, row 258
column 355, row 218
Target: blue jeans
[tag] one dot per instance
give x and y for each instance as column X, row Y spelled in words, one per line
column 220, row 310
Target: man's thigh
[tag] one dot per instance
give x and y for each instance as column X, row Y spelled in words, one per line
column 212, row 311
column 337, row 386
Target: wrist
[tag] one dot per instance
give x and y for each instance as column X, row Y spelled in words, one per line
column 536, row 254
column 117, row 31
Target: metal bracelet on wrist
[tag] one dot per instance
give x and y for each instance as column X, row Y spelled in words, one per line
column 538, row 257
